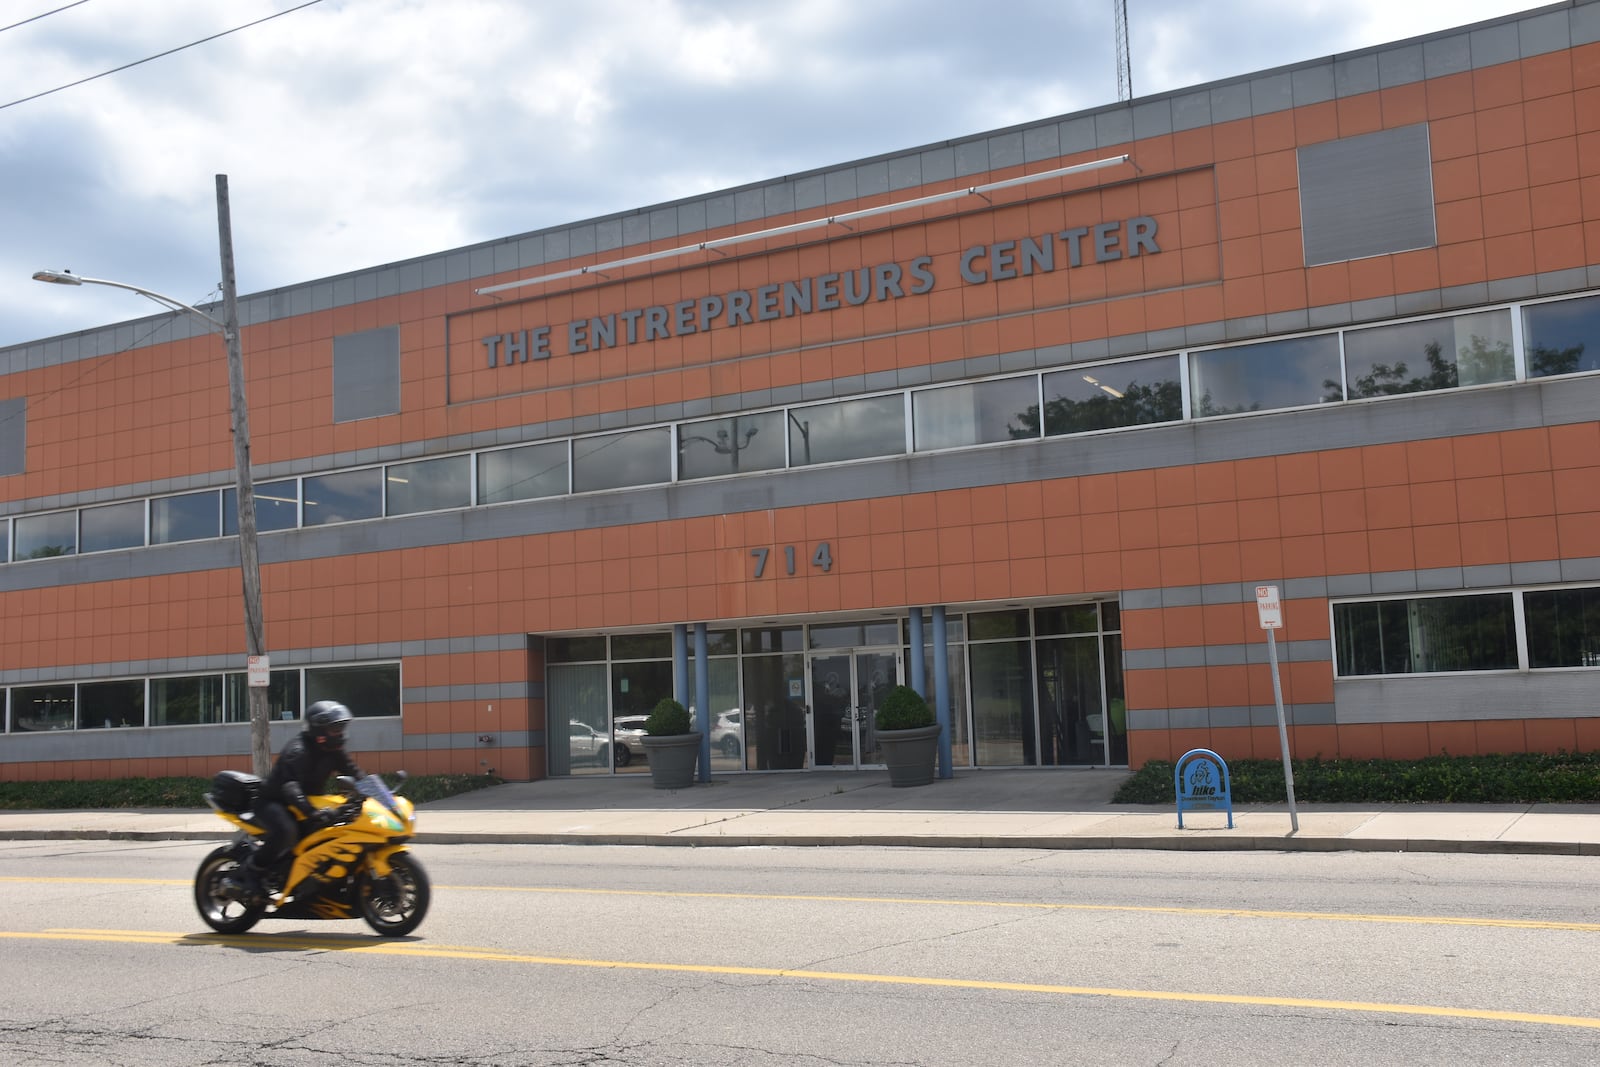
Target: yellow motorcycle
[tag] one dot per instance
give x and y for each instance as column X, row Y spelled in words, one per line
column 356, row 867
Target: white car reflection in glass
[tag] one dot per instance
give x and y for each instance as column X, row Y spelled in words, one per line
column 586, row 743
column 725, row 735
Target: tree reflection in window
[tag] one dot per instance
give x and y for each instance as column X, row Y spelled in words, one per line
column 1455, row 351
column 1101, row 398
column 1562, row 337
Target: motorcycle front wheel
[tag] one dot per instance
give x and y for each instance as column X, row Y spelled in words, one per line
column 220, row 907
column 394, row 906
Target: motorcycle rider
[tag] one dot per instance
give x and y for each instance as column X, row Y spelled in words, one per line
column 302, row 767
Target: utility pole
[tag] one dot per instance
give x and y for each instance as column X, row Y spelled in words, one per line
column 249, row 566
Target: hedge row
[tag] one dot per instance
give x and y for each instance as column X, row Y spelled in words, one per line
column 189, row 792
column 1564, row 778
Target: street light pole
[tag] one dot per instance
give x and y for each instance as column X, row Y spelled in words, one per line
column 249, row 566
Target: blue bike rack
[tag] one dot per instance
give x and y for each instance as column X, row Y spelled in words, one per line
column 1201, row 781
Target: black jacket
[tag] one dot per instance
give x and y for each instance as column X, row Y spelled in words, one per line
column 304, row 768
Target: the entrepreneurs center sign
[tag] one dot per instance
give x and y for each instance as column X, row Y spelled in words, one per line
column 1100, row 243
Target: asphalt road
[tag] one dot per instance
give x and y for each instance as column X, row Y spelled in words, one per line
column 652, row 956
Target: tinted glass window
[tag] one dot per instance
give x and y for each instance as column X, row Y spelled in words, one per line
column 39, row 536
column 44, row 707
column 366, row 691
column 1137, row 393
column 574, row 649
column 522, row 473
column 277, row 507
column 186, row 701
column 731, row 446
column 1563, row 627
column 1415, row 357
column 104, row 705
column 343, row 497
column 5, row 540
column 429, row 485
column 614, row 461
column 642, row 646
column 191, row 517
column 1447, row 633
column 112, row 526
column 1563, row 337
column 1274, row 374
column 956, row 416
column 283, row 696
column 851, row 429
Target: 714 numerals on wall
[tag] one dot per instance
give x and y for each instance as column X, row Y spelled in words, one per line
column 822, row 558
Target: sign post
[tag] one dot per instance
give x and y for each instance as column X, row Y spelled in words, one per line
column 1269, row 608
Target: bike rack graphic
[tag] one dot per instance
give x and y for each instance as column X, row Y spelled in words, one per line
column 1201, row 782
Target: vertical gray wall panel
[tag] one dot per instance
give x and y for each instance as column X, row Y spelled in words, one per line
column 1366, row 196
column 366, row 374
column 13, row 434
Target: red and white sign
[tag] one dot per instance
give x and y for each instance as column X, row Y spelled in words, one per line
column 1269, row 607
column 258, row 671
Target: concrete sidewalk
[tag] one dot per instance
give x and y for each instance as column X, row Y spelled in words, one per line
column 1038, row 808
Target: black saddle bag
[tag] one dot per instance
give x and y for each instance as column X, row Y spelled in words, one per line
column 236, row 791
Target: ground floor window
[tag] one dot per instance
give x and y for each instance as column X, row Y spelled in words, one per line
column 1027, row 687
column 1531, row 629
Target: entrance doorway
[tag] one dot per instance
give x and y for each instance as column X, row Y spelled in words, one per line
column 846, row 686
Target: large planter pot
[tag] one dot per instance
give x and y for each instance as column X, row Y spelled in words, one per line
column 672, row 759
column 910, row 754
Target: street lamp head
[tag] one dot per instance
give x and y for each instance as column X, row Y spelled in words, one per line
column 57, row 277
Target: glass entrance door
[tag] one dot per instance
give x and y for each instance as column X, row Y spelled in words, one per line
column 846, row 688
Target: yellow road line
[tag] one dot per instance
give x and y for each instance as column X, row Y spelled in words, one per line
column 1239, row 913
column 393, row 948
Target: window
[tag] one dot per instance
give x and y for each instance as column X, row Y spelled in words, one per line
column 730, row 446
column 522, row 473
column 343, row 497
column 428, row 485
column 1475, row 632
column 1562, row 337
column 1137, row 393
column 959, row 416
column 186, row 701
column 618, row 460
column 366, row 691
column 40, row 536
column 104, row 705
column 283, row 696
column 1563, row 627
column 189, row 517
column 277, row 507
column 849, row 429
column 1260, row 377
column 1414, row 357
column 112, row 526
column 43, row 707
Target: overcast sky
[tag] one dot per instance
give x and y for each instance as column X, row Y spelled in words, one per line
column 360, row 132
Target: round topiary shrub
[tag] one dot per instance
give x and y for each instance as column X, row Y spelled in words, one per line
column 904, row 709
column 669, row 719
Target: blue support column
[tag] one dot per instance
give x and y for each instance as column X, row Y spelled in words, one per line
column 702, row 699
column 919, row 674
column 680, row 664
column 941, row 690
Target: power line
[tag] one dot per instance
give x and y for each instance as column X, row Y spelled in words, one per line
column 36, row 18
column 159, row 55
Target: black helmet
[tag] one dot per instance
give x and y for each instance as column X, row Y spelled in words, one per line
column 326, row 721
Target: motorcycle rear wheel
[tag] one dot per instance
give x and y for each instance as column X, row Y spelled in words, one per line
column 395, row 906
column 218, row 908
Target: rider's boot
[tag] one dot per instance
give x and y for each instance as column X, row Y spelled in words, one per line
column 250, row 879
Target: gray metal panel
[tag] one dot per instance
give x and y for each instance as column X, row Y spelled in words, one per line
column 1271, row 93
column 1494, row 45
column 1477, row 696
column 1367, row 195
column 366, row 374
column 1356, row 75
column 1313, row 84
column 1543, row 33
column 1584, row 24
column 1400, row 66
column 1449, row 55
column 13, row 436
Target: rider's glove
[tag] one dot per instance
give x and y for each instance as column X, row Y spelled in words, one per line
column 321, row 819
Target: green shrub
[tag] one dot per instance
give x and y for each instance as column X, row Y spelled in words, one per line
column 904, row 709
column 1524, row 778
column 110, row 793
column 669, row 719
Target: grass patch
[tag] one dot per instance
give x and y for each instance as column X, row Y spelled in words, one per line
column 1531, row 778
column 109, row 793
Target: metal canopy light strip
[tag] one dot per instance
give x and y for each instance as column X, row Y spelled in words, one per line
column 796, row 227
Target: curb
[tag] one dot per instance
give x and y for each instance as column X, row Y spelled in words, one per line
column 1161, row 844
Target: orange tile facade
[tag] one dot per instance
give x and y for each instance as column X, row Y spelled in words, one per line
column 1516, row 156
